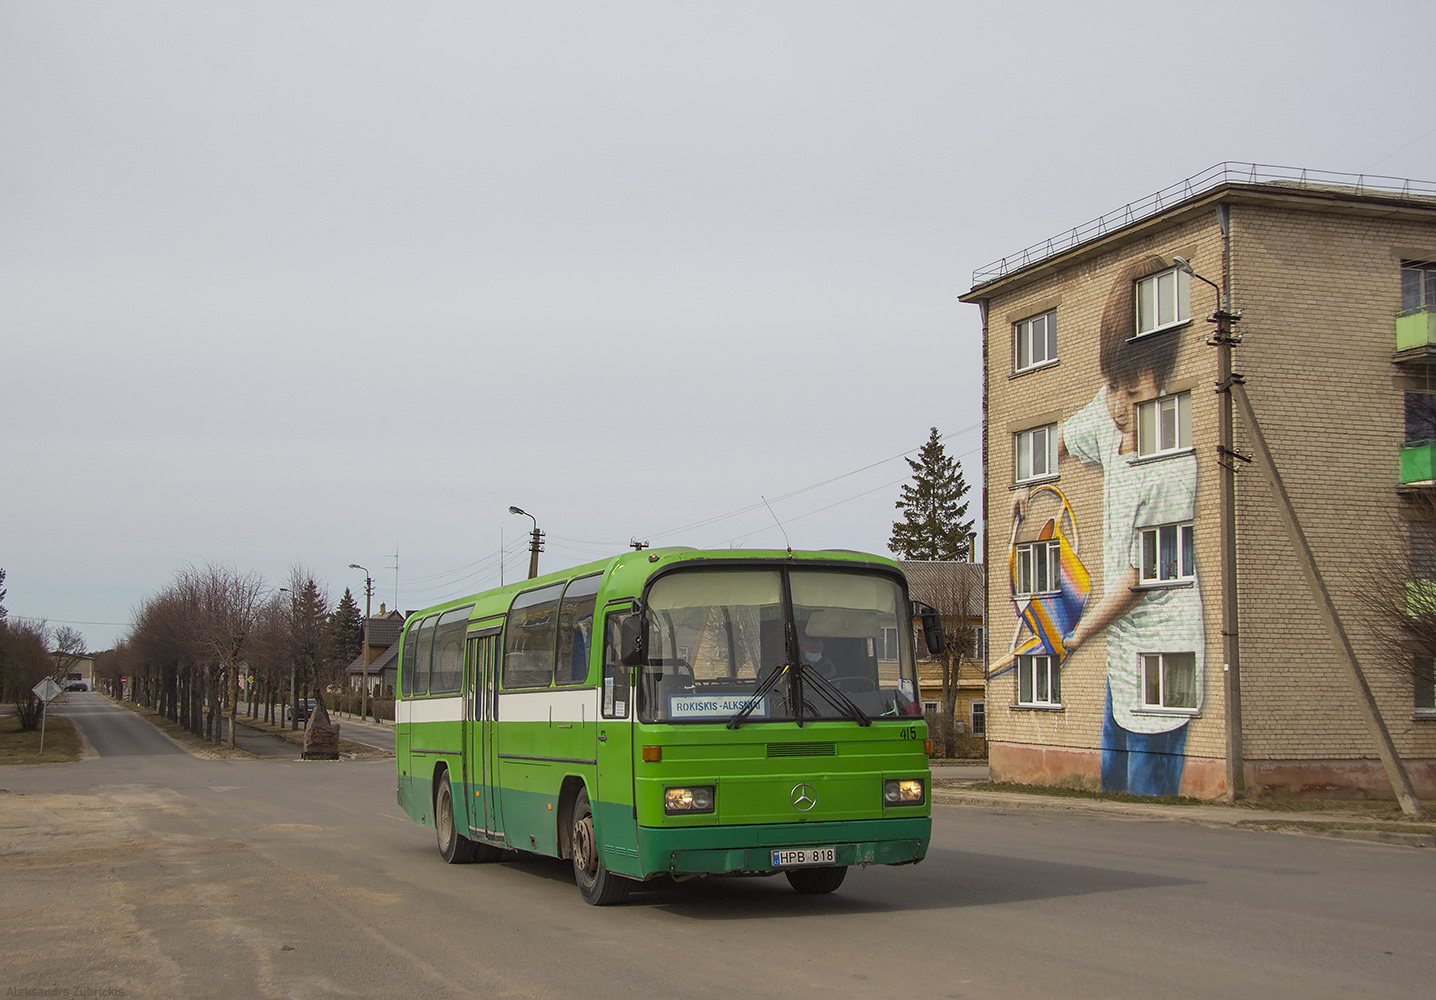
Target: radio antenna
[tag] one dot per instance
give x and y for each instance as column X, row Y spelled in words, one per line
column 777, row 522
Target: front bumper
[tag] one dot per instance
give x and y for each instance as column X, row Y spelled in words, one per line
column 731, row 849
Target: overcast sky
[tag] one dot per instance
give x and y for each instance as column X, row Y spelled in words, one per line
column 303, row 282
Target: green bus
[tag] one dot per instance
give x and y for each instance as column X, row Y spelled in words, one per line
column 674, row 712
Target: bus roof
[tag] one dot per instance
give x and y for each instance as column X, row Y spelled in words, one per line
column 629, row 571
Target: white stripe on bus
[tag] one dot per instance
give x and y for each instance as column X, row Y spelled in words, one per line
column 579, row 705
column 429, row 710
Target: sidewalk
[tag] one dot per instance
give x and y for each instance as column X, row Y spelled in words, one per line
column 953, row 784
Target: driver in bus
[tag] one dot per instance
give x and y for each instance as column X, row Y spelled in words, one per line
column 814, row 658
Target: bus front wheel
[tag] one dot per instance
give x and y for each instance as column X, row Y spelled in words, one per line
column 597, row 885
column 453, row 847
column 816, row 880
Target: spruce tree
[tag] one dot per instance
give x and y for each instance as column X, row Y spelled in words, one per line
column 932, row 527
column 346, row 630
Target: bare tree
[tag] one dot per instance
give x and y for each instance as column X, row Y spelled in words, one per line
column 69, row 649
column 1396, row 595
column 955, row 589
column 230, row 603
column 24, row 662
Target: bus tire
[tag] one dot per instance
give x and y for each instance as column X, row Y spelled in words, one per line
column 454, row 848
column 816, row 880
column 597, row 885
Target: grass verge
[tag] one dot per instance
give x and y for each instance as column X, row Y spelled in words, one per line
column 17, row 746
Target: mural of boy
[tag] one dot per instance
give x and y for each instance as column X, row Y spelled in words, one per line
column 1142, row 746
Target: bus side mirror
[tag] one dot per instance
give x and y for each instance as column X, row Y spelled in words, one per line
column 631, row 641
column 932, row 629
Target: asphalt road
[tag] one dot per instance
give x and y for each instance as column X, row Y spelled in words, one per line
column 169, row 876
column 113, row 732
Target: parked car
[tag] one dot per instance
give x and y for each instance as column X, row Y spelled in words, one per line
column 77, row 686
column 305, row 708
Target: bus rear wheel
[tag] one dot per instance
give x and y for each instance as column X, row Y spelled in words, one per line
column 816, row 880
column 597, row 885
column 453, row 847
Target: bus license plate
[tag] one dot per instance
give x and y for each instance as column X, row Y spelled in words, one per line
column 793, row 857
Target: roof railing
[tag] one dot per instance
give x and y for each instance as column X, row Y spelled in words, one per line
column 1229, row 172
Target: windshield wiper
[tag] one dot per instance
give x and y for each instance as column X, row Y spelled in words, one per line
column 768, row 684
column 835, row 697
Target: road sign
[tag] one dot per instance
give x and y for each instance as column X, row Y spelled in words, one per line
column 46, row 689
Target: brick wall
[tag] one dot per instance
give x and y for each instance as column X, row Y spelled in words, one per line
column 1319, row 291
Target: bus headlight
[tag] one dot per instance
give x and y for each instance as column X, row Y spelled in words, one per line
column 903, row 792
column 688, row 800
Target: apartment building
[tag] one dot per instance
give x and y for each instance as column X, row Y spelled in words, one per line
column 1103, row 469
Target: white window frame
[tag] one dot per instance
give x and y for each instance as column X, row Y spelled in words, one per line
column 1156, row 417
column 1023, row 341
column 1155, row 675
column 1022, row 444
column 932, row 706
column 1034, row 561
column 1166, row 288
column 884, row 643
column 1151, row 568
column 975, row 710
column 1039, row 683
column 1418, row 283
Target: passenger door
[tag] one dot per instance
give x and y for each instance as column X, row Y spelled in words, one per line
column 485, row 816
column 614, row 817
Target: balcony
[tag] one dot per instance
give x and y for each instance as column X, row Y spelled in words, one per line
column 1416, row 334
column 1418, row 462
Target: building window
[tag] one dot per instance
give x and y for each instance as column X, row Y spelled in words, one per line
column 1163, row 300
column 1036, row 340
column 1169, row 680
column 932, row 707
column 885, row 646
column 976, row 652
column 1423, row 673
column 1164, row 424
column 1418, row 285
column 1420, row 417
column 1421, row 539
column 1038, row 568
column 1168, row 554
column 1037, row 681
column 978, row 718
column 1037, row 453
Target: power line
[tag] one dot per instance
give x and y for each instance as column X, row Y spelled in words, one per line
column 64, row 621
column 450, row 579
column 1395, row 151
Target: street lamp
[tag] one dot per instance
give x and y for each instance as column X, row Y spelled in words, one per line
column 293, row 667
column 1224, row 340
column 535, row 541
column 368, row 593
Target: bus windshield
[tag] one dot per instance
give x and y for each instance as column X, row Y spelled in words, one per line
column 716, row 635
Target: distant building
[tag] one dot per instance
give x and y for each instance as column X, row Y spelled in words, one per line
column 383, row 650
column 77, row 668
column 1102, row 484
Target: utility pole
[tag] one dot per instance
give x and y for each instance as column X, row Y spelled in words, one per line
column 368, row 596
column 1227, row 457
column 535, row 541
column 293, row 694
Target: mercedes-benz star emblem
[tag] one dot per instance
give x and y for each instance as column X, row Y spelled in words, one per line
column 803, row 797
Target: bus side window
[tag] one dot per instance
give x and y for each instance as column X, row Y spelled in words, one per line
column 575, row 630
column 617, row 693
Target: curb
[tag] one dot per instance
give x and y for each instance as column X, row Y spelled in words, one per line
column 1219, row 817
